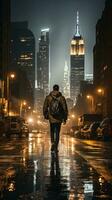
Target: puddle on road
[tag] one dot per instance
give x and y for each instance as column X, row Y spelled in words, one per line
column 53, row 178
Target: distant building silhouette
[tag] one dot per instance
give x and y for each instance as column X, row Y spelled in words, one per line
column 39, row 100
column 43, row 62
column 4, row 48
column 23, row 51
column 103, row 60
column 77, row 55
column 69, row 104
column 86, row 88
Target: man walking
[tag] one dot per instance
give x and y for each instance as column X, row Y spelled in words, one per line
column 55, row 110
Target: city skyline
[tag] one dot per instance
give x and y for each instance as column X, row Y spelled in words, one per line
column 62, row 26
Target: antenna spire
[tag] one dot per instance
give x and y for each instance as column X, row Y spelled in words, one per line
column 77, row 25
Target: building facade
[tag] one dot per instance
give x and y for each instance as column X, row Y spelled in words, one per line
column 43, row 62
column 89, row 77
column 4, row 49
column 39, row 100
column 23, row 50
column 103, row 61
column 77, row 55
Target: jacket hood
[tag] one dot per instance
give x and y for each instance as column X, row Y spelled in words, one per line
column 55, row 93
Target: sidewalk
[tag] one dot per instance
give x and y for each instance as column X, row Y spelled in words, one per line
column 99, row 156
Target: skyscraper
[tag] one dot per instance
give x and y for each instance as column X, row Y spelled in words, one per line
column 43, row 62
column 77, row 55
column 66, row 81
column 23, row 50
column 4, row 36
column 4, row 49
column 103, row 61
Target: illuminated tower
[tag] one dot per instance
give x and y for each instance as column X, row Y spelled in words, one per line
column 77, row 55
column 66, row 81
column 43, row 62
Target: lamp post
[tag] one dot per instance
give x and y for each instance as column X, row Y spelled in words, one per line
column 9, row 76
column 100, row 92
column 23, row 103
column 90, row 98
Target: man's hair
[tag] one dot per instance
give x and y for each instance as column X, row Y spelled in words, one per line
column 56, row 87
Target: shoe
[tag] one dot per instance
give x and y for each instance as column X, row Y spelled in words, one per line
column 52, row 148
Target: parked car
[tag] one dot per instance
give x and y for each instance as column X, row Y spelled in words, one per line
column 15, row 125
column 105, row 129
column 88, row 119
column 72, row 130
column 88, row 131
column 93, row 129
column 33, row 123
column 25, row 129
column 85, row 132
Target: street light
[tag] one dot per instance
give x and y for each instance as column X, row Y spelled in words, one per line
column 22, row 104
column 12, row 76
column 90, row 97
column 100, row 92
column 9, row 77
column 73, row 116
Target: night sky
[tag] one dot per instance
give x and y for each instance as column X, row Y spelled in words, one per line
column 60, row 17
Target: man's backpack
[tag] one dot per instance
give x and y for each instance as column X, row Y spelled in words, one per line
column 55, row 107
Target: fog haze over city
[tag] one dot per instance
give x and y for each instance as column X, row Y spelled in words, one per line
column 60, row 17
column 55, row 132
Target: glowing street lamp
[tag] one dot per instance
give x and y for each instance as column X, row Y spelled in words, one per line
column 90, row 97
column 73, row 116
column 100, row 91
column 100, row 98
column 10, row 76
column 23, row 103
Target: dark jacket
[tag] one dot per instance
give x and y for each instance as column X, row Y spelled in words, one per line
column 46, row 107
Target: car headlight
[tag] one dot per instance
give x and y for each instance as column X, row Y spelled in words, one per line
column 30, row 120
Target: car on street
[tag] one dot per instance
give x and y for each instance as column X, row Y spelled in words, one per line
column 15, row 125
column 25, row 129
column 105, row 129
column 93, row 129
column 88, row 131
column 83, row 132
column 88, row 118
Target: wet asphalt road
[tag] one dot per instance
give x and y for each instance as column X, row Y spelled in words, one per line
column 80, row 171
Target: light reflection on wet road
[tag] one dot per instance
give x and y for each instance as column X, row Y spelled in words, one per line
column 28, row 170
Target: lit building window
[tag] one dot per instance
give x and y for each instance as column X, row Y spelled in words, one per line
column 81, row 42
column 22, row 39
column 73, row 42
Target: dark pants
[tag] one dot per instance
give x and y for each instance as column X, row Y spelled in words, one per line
column 55, row 133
